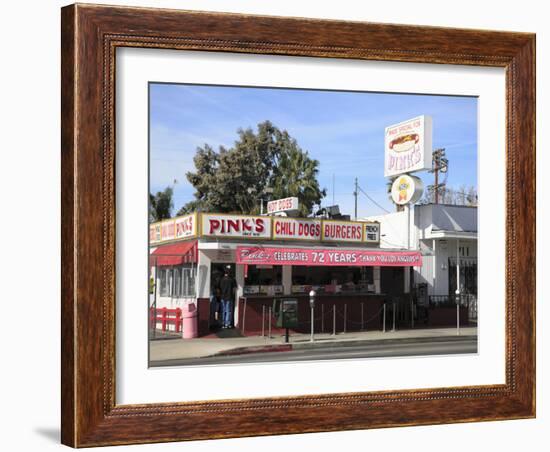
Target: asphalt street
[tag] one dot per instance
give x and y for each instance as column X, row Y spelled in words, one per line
column 409, row 347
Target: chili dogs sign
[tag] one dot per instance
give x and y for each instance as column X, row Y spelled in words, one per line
column 254, row 255
column 296, row 229
column 218, row 225
column 408, row 146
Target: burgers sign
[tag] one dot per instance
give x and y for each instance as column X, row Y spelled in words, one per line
column 408, row 146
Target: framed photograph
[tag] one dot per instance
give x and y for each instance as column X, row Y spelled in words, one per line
column 282, row 225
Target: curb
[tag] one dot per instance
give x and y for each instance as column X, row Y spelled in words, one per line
column 336, row 344
column 255, row 349
column 346, row 343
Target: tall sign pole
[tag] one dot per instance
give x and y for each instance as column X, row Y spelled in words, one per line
column 408, row 149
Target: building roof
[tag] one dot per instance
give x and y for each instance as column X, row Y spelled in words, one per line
column 447, row 218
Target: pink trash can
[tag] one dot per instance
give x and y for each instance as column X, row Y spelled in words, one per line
column 189, row 321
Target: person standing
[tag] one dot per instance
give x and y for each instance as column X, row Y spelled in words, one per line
column 227, row 292
column 214, row 301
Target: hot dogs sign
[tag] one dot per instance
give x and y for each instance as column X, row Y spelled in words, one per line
column 408, row 146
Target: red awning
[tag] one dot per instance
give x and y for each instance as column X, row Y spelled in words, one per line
column 174, row 254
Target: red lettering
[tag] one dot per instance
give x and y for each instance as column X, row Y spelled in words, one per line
column 233, row 225
column 259, row 225
column 214, row 225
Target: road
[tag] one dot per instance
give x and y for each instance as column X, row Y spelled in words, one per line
column 410, row 347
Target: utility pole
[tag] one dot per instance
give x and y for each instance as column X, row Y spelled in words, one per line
column 436, row 182
column 440, row 163
column 355, row 193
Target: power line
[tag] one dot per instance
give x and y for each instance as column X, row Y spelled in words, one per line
column 372, row 200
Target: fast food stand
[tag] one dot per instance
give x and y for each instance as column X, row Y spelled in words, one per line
column 280, row 258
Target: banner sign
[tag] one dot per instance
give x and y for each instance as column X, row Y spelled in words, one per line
column 342, row 231
column 254, row 255
column 408, row 146
column 234, row 226
column 296, row 229
column 282, row 205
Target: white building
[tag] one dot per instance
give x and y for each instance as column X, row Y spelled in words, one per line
column 445, row 235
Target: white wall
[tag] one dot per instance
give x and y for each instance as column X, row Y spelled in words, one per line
column 30, row 163
column 393, row 229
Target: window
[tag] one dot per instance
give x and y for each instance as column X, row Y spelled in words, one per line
column 188, row 282
column 264, row 275
column 264, row 280
column 349, row 278
column 183, row 284
column 164, row 282
column 177, row 282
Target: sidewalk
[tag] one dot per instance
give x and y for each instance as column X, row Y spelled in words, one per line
column 203, row 347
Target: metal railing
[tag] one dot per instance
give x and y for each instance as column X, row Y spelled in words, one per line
column 328, row 317
column 447, row 301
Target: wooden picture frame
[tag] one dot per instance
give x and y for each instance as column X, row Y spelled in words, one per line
column 90, row 36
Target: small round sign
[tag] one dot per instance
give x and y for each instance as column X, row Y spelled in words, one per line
column 406, row 189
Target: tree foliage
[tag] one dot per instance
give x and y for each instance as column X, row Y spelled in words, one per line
column 235, row 179
column 161, row 205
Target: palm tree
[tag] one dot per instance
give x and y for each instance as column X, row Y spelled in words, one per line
column 296, row 175
column 161, row 205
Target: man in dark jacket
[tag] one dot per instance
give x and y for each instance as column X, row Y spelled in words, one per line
column 227, row 291
column 215, row 318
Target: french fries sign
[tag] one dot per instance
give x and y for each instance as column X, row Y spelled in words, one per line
column 408, row 146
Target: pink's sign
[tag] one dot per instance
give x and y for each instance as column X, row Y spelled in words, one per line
column 258, row 255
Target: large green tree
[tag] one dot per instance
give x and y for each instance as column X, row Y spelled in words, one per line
column 234, row 179
column 295, row 174
column 161, row 205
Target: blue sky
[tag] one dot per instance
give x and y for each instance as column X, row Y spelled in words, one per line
column 343, row 130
